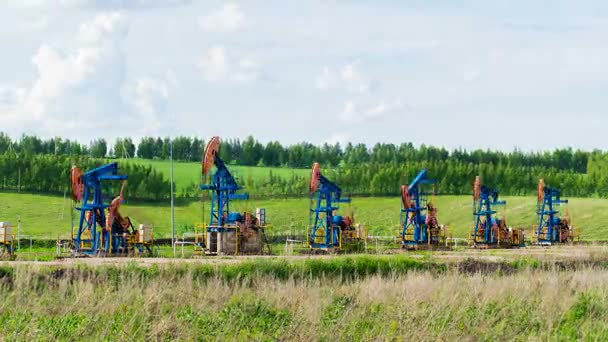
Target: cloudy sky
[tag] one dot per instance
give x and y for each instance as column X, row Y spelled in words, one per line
column 472, row 74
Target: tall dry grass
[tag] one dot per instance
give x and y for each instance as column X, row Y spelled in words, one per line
column 175, row 303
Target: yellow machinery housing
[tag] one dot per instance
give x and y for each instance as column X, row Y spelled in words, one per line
column 7, row 239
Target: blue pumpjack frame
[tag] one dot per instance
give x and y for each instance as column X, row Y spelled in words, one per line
column 92, row 200
column 324, row 203
column 414, row 216
column 483, row 209
column 548, row 216
column 223, row 189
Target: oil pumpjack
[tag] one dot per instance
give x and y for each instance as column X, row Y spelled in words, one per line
column 101, row 233
column 419, row 225
column 328, row 231
column 229, row 232
column 489, row 230
column 552, row 228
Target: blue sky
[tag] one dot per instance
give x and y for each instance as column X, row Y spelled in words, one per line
column 473, row 74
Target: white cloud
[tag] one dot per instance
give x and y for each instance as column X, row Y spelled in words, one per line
column 383, row 108
column 471, row 74
column 11, row 95
column 356, row 113
column 96, row 4
column 91, row 73
column 228, row 18
column 104, row 28
column 33, row 24
column 350, row 80
column 150, row 98
column 85, row 87
column 326, row 80
column 338, row 138
column 218, row 66
column 43, row 3
column 348, row 77
column 348, row 73
column 214, row 64
column 134, row 4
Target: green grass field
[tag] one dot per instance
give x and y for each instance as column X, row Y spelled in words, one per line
column 188, row 173
column 49, row 217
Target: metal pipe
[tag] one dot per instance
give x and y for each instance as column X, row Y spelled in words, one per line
column 19, row 231
column 236, row 247
column 172, row 202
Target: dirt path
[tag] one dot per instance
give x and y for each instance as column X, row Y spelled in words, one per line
column 556, row 253
column 214, row 260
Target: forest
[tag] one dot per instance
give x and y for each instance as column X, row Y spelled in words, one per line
column 32, row 164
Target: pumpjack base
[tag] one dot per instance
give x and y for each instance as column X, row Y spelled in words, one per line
column 553, row 243
column 7, row 256
column 77, row 256
column 229, row 241
column 425, row 247
column 350, row 246
column 100, row 254
column 84, row 253
column 7, row 252
column 324, row 251
column 121, row 253
column 494, row 246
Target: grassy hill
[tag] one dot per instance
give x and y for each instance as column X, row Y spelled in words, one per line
column 49, row 217
column 188, row 173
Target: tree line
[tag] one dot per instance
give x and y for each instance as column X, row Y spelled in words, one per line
column 49, row 174
column 251, row 152
column 453, row 178
column 35, row 165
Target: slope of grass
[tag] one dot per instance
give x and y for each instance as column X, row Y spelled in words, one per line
column 188, row 173
column 49, row 217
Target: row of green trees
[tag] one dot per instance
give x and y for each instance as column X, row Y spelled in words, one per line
column 251, row 152
column 453, row 178
column 50, row 174
column 457, row 178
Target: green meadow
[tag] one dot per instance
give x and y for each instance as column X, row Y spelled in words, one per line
column 50, row 217
column 188, row 174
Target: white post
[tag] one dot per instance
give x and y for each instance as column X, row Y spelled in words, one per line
column 65, row 197
column 172, row 203
column 18, row 232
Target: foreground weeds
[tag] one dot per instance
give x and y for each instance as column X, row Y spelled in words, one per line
column 363, row 298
